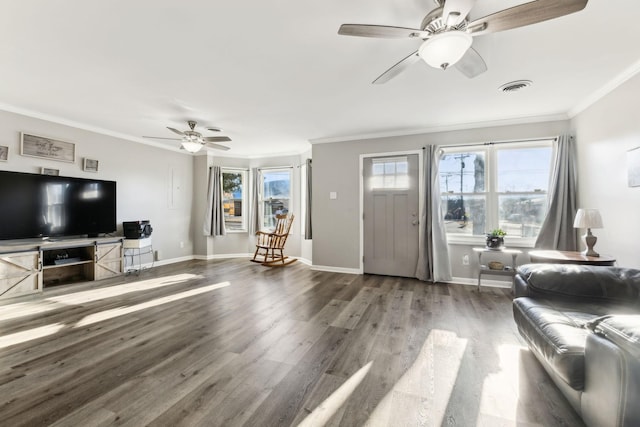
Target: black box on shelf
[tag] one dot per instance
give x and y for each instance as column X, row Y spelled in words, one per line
column 137, row 229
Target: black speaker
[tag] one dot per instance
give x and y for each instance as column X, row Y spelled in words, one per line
column 137, row 229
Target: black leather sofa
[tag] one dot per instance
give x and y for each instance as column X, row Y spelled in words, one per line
column 583, row 324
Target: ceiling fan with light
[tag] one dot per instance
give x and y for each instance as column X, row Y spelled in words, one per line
column 193, row 141
column 447, row 33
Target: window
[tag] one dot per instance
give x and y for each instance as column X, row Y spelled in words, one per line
column 275, row 194
column 234, row 199
column 497, row 186
column 390, row 173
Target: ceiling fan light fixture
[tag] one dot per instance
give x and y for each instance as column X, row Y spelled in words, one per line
column 191, row 146
column 445, row 49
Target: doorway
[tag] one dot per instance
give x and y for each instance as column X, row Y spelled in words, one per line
column 390, row 214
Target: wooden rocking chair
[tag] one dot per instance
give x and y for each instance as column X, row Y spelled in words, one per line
column 270, row 245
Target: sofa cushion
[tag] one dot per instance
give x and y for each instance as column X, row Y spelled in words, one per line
column 622, row 330
column 557, row 334
column 586, row 282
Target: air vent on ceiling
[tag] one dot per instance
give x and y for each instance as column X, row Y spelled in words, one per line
column 515, row 86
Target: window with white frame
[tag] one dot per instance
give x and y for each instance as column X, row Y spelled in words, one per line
column 234, row 196
column 496, row 186
column 275, row 195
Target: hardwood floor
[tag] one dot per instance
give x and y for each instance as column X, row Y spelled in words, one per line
column 231, row 343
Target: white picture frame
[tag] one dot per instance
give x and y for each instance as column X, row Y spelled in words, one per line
column 47, row 148
column 633, row 167
column 4, row 153
column 90, row 165
column 50, row 171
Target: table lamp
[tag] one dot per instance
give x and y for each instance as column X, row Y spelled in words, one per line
column 588, row 218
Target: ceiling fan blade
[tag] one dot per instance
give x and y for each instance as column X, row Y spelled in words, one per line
column 380, row 31
column 175, row 131
column 525, row 14
column 455, row 11
column 217, row 138
column 398, row 68
column 471, row 64
column 217, row 146
column 160, row 137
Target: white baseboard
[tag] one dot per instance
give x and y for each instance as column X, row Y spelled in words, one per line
column 305, row 261
column 485, row 283
column 335, row 269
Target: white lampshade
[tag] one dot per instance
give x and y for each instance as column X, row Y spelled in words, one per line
column 588, row 218
column 192, row 147
column 445, row 49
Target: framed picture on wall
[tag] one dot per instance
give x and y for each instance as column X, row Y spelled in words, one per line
column 4, row 153
column 633, row 167
column 47, row 148
column 49, row 171
column 90, row 165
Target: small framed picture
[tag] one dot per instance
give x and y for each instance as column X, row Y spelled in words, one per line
column 633, row 167
column 90, row 165
column 4, row 153
column 49, row 171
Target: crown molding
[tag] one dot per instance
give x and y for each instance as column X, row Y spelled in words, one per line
column 445, row 128
column 609, row 87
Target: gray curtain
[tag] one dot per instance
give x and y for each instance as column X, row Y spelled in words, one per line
column 307, row 220
column 433, row 251
column 557, row 230
column 214, row 216
column 254, row 220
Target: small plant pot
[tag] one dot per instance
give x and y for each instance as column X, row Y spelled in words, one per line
column 495, row 242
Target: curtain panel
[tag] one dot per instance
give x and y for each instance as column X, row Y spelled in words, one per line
column 307, row 220
column 433, row 250
column 214, row 216
column 557, row 230
column 254, row 219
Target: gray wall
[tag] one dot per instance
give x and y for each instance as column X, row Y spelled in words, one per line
column 604, row 133
column 143, row 175
column 336, row 223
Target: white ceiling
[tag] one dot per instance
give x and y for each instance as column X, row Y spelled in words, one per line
column 275, row 74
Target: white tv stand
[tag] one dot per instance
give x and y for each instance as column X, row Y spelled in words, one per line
column 29, row 266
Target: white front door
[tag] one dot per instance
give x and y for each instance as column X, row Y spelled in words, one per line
column 391, row 215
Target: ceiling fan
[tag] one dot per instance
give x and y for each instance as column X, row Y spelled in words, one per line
column 447, row 33
column 193, row 141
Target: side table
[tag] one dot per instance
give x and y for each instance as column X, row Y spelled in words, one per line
column 568, row 257
column 509, row 270
column 137, row 248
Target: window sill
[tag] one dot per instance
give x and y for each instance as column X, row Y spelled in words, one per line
column 481, row 241
column 237, row 231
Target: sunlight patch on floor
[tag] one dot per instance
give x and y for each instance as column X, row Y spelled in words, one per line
column 424, row 389
column 21, row 309
column 500, row 390
column 331, row 404
column 121, row 311
column 30, row 334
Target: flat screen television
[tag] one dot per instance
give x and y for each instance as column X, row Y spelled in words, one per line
column 38, row 206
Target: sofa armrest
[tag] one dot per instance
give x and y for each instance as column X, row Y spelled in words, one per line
column 612, row 385
column 580, row 283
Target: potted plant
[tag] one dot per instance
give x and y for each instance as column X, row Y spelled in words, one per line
column 495, row 239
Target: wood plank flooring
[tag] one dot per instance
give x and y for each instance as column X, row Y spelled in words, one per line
column 232, row 343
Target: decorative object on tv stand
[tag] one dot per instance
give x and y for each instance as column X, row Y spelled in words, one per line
column 90, row 165
column 4, row 153
column 495, row 239
column 588, row 218
column 47, row 148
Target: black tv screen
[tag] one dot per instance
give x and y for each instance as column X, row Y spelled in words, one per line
column 34, row 205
